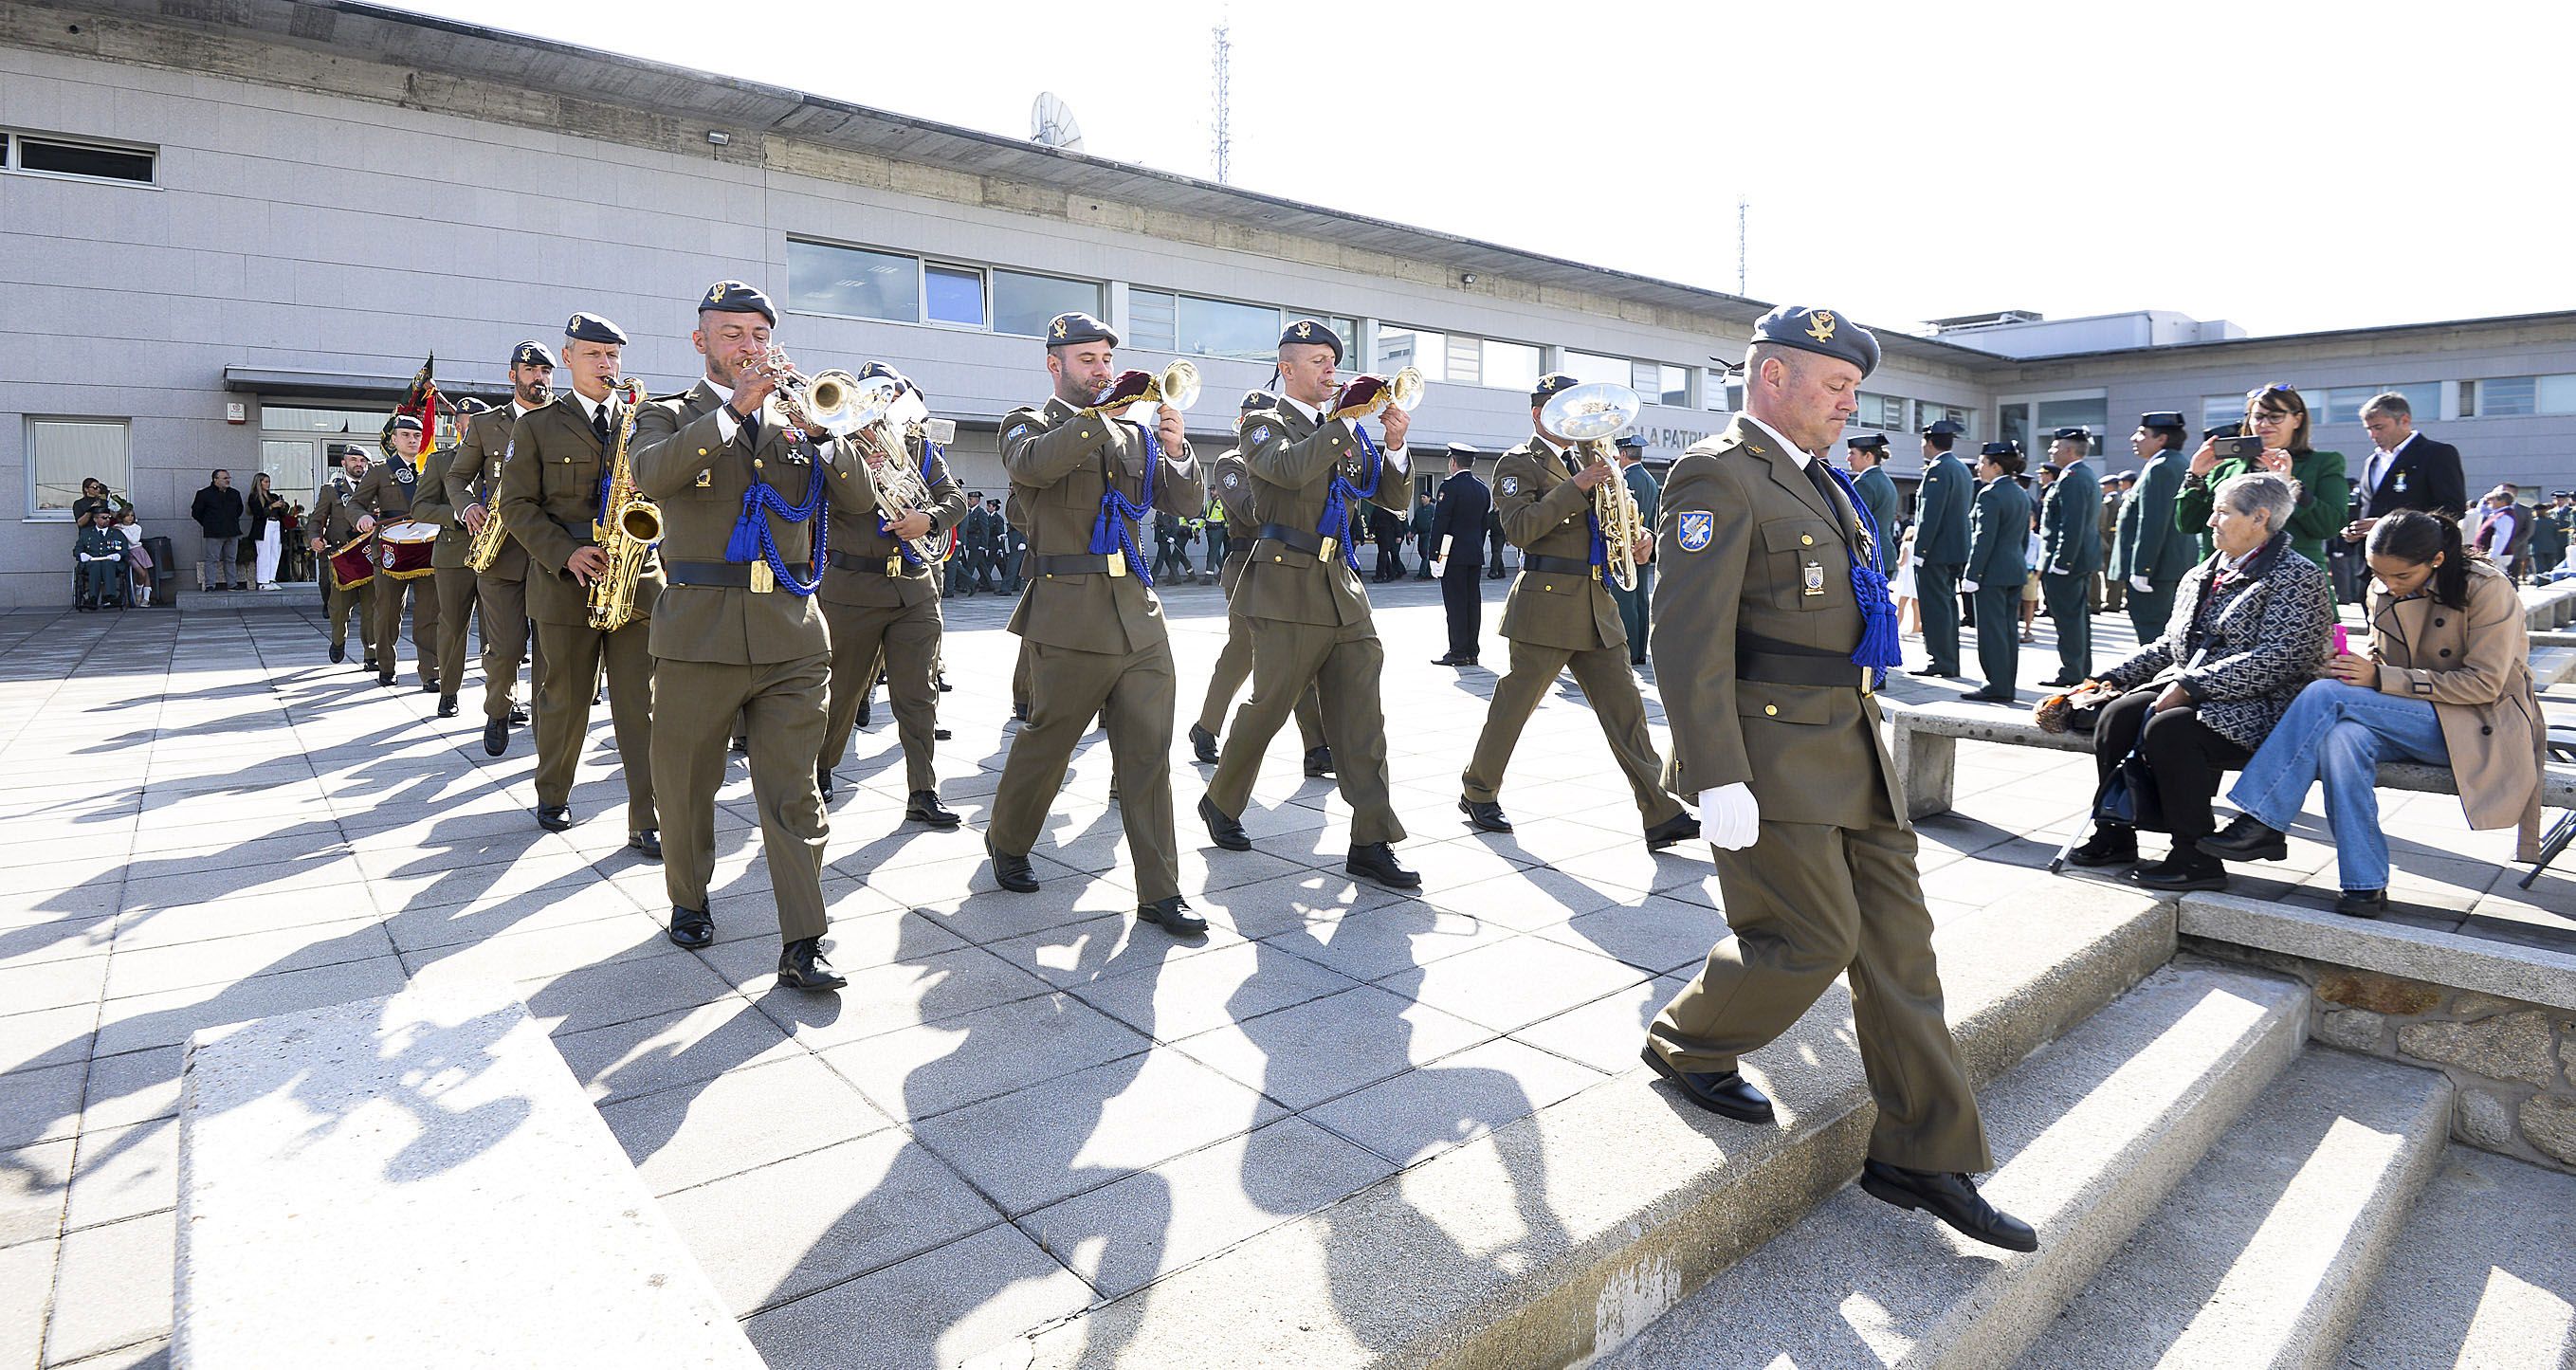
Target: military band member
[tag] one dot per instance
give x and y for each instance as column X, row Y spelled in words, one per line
column 551, row 489
column 474, row 490
column 451, row 580
column 385, row 495
column 1772, row 629
column 1301, row 589
column 1941, row 544
column 1234, row 664
column 1083, row 484
column 2070, row 532
column 737, row 632
column 1998, row 564
column 881, row 602
column 1558, row 617
column 335, row 522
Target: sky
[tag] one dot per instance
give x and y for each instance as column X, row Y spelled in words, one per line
column 2288, row 166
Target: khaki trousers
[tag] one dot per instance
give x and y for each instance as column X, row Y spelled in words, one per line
column 389, row 595
column 1134, row 693
column 1805, row 903
column 575, row 654
column 906, row 642
column 782, row 706
column 506, row 638
column 456, row 596
column 339, row 603
column 1341, row 665
column 1233, row 667
column 1608, row 685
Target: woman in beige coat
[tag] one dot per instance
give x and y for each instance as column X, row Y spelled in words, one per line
column 2448, row 682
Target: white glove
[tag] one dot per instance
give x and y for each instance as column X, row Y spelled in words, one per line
column 1968, row 585
column 1730, row 817
column 1918, row 561
column 2142, row 585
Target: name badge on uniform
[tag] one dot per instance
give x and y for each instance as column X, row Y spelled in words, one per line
column 1814, row 577
column 1698, row 529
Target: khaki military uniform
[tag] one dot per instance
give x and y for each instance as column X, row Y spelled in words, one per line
column 338, row 520
column 474, row 477
column 731, row 640
column 1561, row 615
column 1756, row 589
column 550, row 503
column 1095, row 640
column 883, row 608
column 1311, row 627
column 451, row 580
column 1233, row 483
column 387, row 492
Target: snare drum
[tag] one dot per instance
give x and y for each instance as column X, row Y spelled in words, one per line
column 403, row 549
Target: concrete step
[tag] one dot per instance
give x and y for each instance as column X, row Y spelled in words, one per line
column 2092, row 1133
column 1566, row 1231
column 2264, row 1255
column 2487, row 1278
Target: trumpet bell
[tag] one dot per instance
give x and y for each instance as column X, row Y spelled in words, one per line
column 1405, row 391
column 1586, row 413
column 842, row 404
column 1180, row 383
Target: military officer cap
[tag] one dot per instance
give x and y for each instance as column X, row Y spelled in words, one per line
column 2562, row 494
column 1467, row 450
column 406, row 423
column 1945, row 428
column 1634, row 442
column 1257, row 399
column 733, row 297
column 2052, row 468
column 2224, row 430
column 873, row 370
column 530, row 352
column 1867, row 442
column 2071, row 435
column 1077, row 327
column 1821, row 331
column 1309, row 331
column 1550, row 383
column 592, row 328
column 2006, row 448
column 2163, row 418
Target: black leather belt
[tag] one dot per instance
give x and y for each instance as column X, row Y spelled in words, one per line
column 707, row 573
column 1294, row 539
column 891, row 564
column 1562, row 566
column 1088, row 564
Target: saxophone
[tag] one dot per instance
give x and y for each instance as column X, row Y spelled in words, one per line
column 485, row 547
column 629, row 526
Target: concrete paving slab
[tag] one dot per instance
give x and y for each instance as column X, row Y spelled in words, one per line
column 1657, row 933
column 124, row 1172
column 1515, row 983
column 155, row 1020
column 692, row 1133
column 34, row 1182
column 112, row 1287
column 1399, row 937
column 920, row 1072
column 54, row 984
column 949, row 1305
column 599, row 996
column 26, row 1291
column 925, row 989
column 1327, row 1047
column 1458, row 1098
column 683, row 1046
column 151, row 969
column 1169, row 997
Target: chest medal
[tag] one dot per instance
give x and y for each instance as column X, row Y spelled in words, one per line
column 1813, row 574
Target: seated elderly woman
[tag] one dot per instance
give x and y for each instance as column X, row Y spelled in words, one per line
column 2248, row 632
column 2448, row 681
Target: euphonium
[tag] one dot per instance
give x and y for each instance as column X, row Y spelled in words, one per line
column 1586, row 416
column 885, row 446
column 628, row 526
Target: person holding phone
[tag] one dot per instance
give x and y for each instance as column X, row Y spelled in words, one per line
column 2274, row 438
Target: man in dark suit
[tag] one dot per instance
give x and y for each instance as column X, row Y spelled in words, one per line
column 1458, row 552
column 1941, row 545
column 2070, row 529
column 2409, row 470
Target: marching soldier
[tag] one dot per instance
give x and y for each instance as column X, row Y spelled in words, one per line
column 1941, row 545
column 736, row 632
column 451, row 580
column 1559, row 616
column 386, row 496
column 1083, row 480
column 1234, row 664
column 1773, row 629
column 551, row 491
column 474, row 489
column 1866, row 457
column 1301, row 590
column 2070, row 531
column 881, row 602
column 335, row 522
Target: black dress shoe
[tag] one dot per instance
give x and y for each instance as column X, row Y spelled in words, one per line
column 370, row 662
column 1989, row 696
column 428, row 686
column 941, row 680
column 1485, row 817
column 1173, row 916
column 518, row 716
column 554, row 817
column 1672, row 832
column 2246, row 838
column 939, row 734
column 1319, row 761
column 691, row 928
column 2112, row 844
column 2060, row 682
column 1952, row 1199
column 1376, row 861
column 2185, row 869
column 648, row 841
column 1020, row 710
column 924, row 807
column 2362, row 903
column 339, row 652
column 801, row 966
column 823, row 780
column 1012, row 870
column 496, row 737
column 447, row 706
column 385, row 679
column 1929, row 668
column 741, row 745
column 867, row 714
column 1452, row 659
column 1224, row 831
column 1729, row 1093
column 1203, row 744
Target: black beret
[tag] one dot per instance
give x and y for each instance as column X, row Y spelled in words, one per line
column 1875, row 442
column 2005, row 448
column 406, row 423
column 2224, row 430
column 875, row 369
column 733, row 297
column 343, row 451
column 2163, row 418
column 2051, row 468
column 1077, row 327
column 471, row 407
column 1464, row 449
column 592, row 328
column 1550, row 383
column 1310, row 332
column 1820, row 331
column 531, row 353
column 1257, row 399
column 1634, row 442
column 2071, row 435
column 1945, row 428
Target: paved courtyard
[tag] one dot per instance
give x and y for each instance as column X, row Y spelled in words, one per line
column 1020, row 1107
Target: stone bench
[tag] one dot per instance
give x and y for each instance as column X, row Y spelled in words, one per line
column 419, row 1181
column 2549, row 606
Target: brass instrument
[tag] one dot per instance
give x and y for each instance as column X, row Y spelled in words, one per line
column 483, row 550
column 885, row 447
column 1367, row 394
column 628, row 527
column 1177, row 386
column 1587, row 416
column 835, row 402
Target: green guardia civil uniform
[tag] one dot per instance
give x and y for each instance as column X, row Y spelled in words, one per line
column 2070, row 535
column 1233, row 482
column 1560, row 616
column 337, row 517
column 474, row 478
column 2151, row 546
column 882, row 604
column 1878, row 495
column 387, row 493
column 1998, row 561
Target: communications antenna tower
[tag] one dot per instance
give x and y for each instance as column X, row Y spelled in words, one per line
column 1224, row 133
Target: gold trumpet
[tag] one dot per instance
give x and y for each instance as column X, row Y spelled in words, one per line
column 834, row 402
column 1587, row 416
column 1177, row 386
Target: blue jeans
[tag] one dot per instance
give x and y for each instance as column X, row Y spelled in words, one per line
column 2339, row 734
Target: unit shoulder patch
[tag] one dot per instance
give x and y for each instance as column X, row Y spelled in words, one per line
column 1697, row 529
column 1511, row 485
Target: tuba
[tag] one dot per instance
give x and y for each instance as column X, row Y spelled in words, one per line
column 629, row 526
column 1588, row 416
column 1177, row 386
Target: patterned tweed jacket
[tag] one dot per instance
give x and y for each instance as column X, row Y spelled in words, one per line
column 2246, row 649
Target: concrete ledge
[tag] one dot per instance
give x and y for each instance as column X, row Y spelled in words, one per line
column 2507, row 971
column 418, row 1181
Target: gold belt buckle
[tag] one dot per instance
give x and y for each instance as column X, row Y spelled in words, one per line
column 763, row 580
column 1117, row 564
column 1325, row 553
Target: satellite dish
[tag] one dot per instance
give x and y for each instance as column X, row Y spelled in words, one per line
column 1051, row 123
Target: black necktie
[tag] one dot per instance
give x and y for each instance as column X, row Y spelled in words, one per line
column 599, row 424
column 1825, row 491
column 751, row 430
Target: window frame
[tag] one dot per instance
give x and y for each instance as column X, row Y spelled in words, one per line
column 13, row 149
column 983, row 295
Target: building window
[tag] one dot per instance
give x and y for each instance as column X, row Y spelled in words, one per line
column 1883, row 412
column 51, row 156
column 2514, row 397
column 1931, row 414
column 1025, row 303
column 1345, row 328
column 1509, row 366
column 1593, row 369
column 1661, row 384
column 61, row 453
column 952, row 294
column 853, row 282
column 2556, row 394
column 1223, row 328
column 1714, row 392
column 1153, row 320
column 2092, row 415
column 1466, row 361
column 1421, row 349
column 2217, row 411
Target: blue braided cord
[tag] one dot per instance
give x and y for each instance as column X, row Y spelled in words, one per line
column 885, row 529
column 763, row 498
column 1114, row 532
column 1337, row 500
column 1878, row 649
